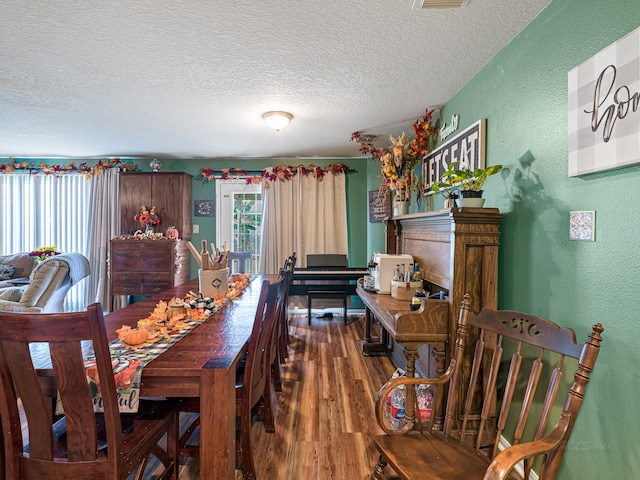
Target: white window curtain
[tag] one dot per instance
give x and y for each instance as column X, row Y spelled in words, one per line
column 305, row 216
column 105, row 223
column 43, row 210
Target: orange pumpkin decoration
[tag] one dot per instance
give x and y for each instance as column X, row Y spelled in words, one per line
column 172, row 232
column 137, row 336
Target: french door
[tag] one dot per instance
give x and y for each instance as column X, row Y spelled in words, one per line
column 239, row 218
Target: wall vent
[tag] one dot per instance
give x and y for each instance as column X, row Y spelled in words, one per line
column 418, row 4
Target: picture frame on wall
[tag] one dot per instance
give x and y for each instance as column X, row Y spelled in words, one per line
column 379, row 206
column 604, row 108
column 204, row 208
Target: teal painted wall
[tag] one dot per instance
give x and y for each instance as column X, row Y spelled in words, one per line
column 522, row 93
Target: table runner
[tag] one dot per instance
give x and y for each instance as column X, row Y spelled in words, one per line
column 127, row 360
column 127, row 365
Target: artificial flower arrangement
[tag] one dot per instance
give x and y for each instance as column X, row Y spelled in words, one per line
column 398, row 161
column 147, row 218
column 42, row 253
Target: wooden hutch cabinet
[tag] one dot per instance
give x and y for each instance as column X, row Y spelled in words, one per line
column 140, row 267
column 169, row 192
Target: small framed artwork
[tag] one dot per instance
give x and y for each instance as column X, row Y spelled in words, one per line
column 582, row 226
column 379, row 207
column 204, row 208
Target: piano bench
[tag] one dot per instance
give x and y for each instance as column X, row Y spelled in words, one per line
column 327, row 294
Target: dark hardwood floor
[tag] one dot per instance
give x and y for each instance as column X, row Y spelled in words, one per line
column 325, row 418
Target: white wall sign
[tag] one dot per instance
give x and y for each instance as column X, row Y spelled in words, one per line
column 604, row 116
column 467, row 148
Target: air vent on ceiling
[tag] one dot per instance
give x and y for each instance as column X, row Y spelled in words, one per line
column 418, row 4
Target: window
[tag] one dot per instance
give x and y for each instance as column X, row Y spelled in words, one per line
column 42, row 210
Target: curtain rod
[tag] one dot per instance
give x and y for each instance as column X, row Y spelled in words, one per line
column 259, row 172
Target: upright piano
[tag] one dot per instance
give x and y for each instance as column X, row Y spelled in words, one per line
column 457, row 250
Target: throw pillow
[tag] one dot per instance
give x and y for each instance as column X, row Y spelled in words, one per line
column 7, row 271
column 11, row 294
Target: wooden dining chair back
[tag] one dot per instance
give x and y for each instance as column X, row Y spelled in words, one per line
column 516, row 415
column 281, row 333
column 240, row 262
column 253, row 388
column 82, row 444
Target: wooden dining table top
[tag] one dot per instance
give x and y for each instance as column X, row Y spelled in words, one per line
column 218, row 342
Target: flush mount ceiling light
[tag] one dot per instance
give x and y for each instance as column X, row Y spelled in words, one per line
column 277, row 120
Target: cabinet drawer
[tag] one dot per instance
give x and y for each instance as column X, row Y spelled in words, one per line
column 124, row 289
column 153, row 288
column 126, row 278
column 157, row 277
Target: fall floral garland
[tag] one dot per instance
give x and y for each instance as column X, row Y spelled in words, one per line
column 33, row 168
column 278, row 173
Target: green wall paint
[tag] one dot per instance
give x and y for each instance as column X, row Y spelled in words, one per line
column 522, row 93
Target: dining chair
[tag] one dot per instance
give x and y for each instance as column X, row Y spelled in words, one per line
column 253, row 383
column 279, row 345
column 82, row 444
column 283, row 334
column 242, row 259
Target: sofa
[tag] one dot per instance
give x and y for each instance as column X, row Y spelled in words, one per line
column 49, row 282
column 14, row 268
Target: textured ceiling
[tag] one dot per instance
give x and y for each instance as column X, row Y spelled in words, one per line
column 191, row 79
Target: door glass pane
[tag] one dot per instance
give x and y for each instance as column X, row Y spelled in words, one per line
column 239, row 219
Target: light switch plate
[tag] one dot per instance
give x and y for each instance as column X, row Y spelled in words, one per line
column 582, row 226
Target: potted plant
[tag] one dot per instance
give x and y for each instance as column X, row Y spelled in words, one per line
column 464, row 185
column 449, row 185
column 471, row 185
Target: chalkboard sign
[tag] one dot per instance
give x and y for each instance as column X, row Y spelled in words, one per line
column 379, row 207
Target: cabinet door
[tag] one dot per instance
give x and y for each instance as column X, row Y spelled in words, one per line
column 135, row 191
column 171, row 194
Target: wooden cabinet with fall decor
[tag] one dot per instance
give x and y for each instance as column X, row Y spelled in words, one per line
column 146, row 267
column 168, row 192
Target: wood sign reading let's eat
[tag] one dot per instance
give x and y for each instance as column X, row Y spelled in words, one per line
column 467, row 148
column 604, row 116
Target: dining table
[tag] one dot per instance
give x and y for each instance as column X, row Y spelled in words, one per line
column 201, row 364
